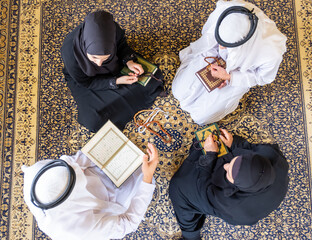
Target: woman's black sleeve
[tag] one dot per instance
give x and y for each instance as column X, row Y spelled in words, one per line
column 98, row 82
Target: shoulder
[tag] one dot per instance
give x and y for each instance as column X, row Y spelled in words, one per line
column 120, row 33
column 67, row 47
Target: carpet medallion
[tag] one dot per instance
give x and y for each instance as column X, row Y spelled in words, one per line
column 38, row 114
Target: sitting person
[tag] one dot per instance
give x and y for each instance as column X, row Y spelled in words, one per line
column 71, row 198
column 241, row 187
column 252, row 47
column 94, row 54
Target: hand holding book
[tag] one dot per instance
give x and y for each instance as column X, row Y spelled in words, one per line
column 221, row 73
column 226, row 137
column 215, row 143
column 210, row 144
column 133, row 76
column 214, row 74
column 144, row 77
column 136, row 68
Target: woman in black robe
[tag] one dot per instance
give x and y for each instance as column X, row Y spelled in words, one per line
column 240, row 187
column 94, row 54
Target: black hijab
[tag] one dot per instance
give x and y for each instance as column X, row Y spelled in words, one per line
column 97, row 36
column 254, row 175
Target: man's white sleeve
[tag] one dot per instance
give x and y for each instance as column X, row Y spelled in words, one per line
column 261, row 75
column 117, row 226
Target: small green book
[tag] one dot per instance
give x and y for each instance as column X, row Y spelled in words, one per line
column 148, row 68
column 202, row 134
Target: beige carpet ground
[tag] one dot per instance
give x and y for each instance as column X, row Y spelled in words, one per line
column 38, row 114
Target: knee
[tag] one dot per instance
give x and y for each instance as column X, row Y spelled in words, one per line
column 91, row 121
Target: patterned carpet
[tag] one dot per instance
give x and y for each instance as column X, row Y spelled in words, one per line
column 38, row 114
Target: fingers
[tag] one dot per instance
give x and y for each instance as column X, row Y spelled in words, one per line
column 210, row 139
column 214, row 66
column 145, row 159
column 152, row 151
column 225, row 132
column 129, row 79
column 132, row 78
column 137, row 68
column 210, row 144
column 132, row 81
column 222, row 130
column 223, row 139
column 140, row 69
column 222, row 85
column 136, row 71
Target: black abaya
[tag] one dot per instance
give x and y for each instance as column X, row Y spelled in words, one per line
column 97, row 96
column 200, row 187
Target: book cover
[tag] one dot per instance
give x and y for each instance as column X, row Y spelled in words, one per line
column 114, row 153
column 207, row 79
column 147, row 67
column 202, row 134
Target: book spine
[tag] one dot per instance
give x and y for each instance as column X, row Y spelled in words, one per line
column 203, row 82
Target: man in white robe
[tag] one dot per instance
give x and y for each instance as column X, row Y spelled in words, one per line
column 255, row 62
column 95, row 208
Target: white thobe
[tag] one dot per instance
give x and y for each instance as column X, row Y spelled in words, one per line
column 256, row 62
column 95, row 209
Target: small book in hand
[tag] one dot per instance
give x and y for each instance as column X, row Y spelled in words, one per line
column 113, row 153
column 205, row 76
column 149, row 69
column 202, row 134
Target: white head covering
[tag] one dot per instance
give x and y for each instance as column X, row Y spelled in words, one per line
column 52, row 184
column 267, row 41
column 234, row 27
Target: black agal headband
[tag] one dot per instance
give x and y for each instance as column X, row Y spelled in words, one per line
column 237, row 9
column 66, row 193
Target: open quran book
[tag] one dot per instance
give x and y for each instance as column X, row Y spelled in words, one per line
column 148, row 68
column 202, row 134
column 114, row 153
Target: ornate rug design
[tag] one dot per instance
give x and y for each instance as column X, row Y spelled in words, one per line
column 38, row 114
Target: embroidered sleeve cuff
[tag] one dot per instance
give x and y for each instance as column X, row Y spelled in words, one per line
column 207, row 159
column 112, row 83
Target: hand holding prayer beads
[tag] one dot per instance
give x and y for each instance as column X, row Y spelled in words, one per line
column 210, row 144
column 135, row 67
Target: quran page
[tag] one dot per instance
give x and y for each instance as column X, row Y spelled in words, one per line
column 114, row 153
column 123, row 164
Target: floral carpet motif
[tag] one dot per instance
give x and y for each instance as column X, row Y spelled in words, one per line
column 38, row 114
